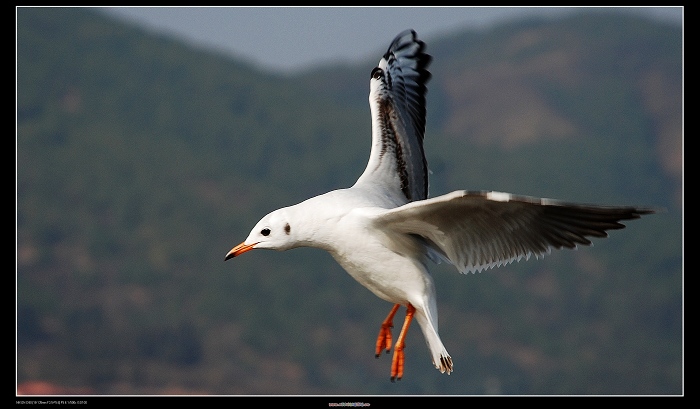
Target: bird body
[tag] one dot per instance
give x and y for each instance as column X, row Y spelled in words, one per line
column 384, row 229
column 343, row 222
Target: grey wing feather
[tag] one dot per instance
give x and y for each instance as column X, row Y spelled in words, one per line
column 407, row 72
column 397, row 164
column 479, row 230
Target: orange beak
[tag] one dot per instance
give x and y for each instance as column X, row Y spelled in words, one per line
column 239, row 249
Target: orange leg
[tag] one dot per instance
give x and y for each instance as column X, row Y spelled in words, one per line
column 398, row 360
column 384, row 338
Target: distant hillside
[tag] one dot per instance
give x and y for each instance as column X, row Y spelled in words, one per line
column 141, row 161
column 569, row 79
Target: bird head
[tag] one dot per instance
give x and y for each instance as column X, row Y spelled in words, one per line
column 272, row 232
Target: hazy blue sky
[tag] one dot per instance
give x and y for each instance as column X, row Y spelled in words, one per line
column 290, row 38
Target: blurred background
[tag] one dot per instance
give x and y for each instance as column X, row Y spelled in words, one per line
column 149, row 142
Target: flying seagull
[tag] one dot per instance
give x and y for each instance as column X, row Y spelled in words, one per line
column 384, row 229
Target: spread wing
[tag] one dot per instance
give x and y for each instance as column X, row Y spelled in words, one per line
column 480, row 230
column 397, row 102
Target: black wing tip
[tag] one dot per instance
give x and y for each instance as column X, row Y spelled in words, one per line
column 641, row 211
column 398, row 44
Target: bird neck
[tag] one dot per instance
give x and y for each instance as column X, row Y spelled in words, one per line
column 315, row 223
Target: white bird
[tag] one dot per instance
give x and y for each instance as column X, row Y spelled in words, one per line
column 384, row 229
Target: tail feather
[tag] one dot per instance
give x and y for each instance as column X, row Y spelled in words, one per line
column 441, row 359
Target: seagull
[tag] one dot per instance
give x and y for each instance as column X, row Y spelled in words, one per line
column 384, row 230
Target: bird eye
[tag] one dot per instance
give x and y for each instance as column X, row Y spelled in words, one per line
column 377, row 73
column 265, row 232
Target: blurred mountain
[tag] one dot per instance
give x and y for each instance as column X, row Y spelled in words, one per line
column 141, row 161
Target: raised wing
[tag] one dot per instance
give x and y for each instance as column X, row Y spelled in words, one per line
column 397, row 102
column 480, row 230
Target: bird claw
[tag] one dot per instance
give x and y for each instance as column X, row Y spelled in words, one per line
column 397, row 363
column 384, row 337
column 384, row 340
